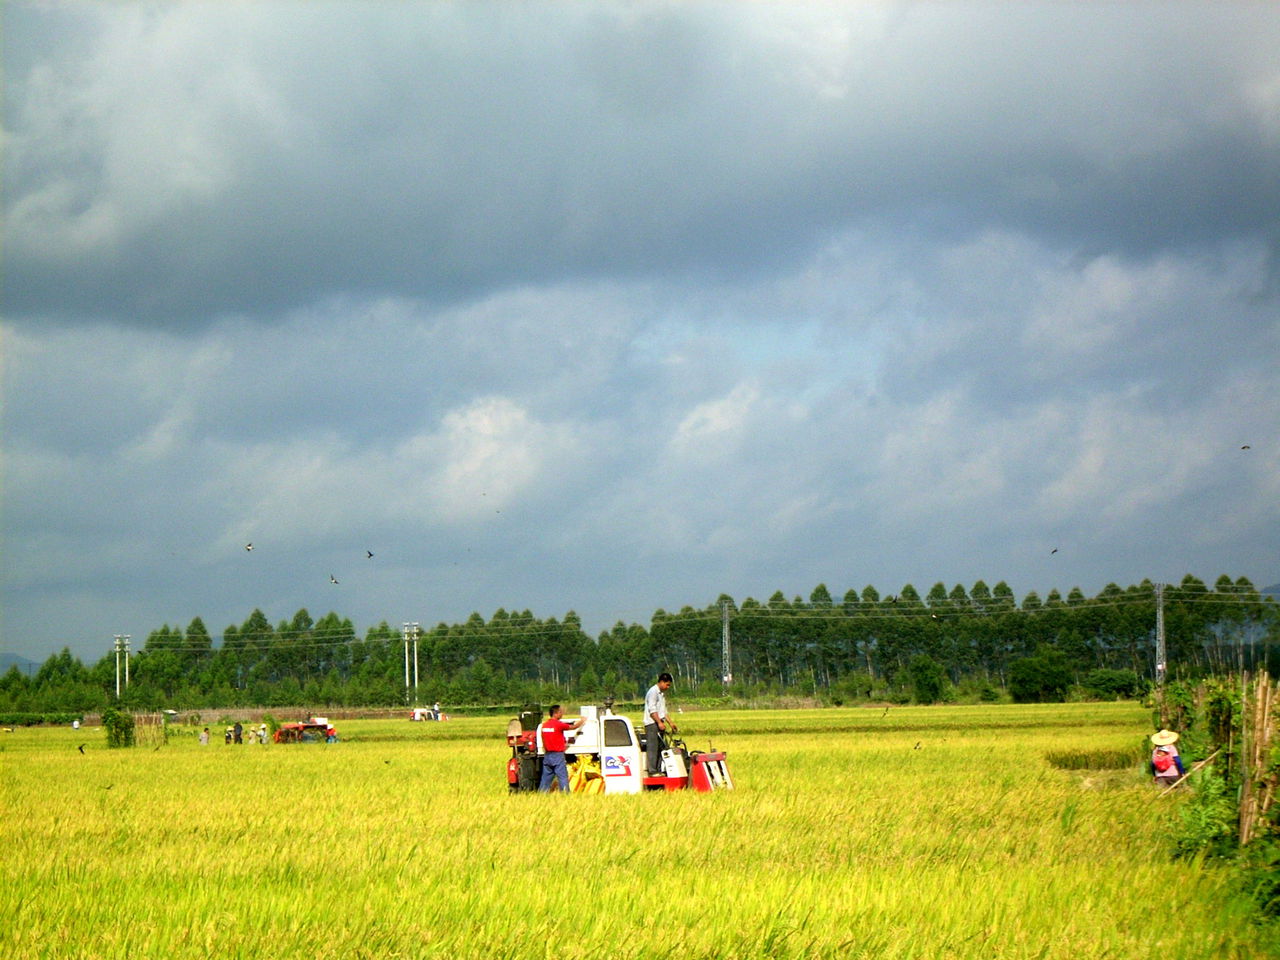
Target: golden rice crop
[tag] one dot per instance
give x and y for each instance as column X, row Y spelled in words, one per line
column 916, row 832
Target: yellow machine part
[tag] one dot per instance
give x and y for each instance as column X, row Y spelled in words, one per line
column 585, row 776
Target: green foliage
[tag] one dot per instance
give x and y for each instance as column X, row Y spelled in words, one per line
column 928, row 679
column 1208, row 822
column 1259, row 876
column 1044, row 678
column 37, row 719
column 1106, row 684
column 1179, row 707
column 821, row 649
column 1221, row 711
column 119, row 728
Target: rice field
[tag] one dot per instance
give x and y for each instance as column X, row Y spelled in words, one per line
column 916, row 832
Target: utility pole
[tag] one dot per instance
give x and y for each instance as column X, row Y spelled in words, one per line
column 1161, row 662
column 415, row 631
column 122, row 646
column 405, row 634
column 726, row 655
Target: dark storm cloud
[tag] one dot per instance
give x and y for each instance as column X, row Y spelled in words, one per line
column 615, row 307
column 195, row 165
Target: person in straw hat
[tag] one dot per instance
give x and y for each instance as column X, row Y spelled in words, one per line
column 1166, row 764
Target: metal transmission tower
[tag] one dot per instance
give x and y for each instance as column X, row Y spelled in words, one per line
column 1162, row 664
column 726, row 655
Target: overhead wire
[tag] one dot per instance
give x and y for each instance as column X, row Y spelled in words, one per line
column 886, row 609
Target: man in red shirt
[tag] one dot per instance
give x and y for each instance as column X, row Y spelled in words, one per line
column 552, row 731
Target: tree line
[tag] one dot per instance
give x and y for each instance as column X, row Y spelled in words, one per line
column 976, row 642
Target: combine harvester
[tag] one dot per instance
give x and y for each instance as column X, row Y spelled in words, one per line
column 607, row 756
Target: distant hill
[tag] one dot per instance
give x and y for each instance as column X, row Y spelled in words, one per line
column 7, row 660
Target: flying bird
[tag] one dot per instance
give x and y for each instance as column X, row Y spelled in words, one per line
column 1053, row 551
column 332, row 578
column 370, row 554
column 1246, row 447
column 248, row 546
column 917, row 746
column 885, row 714
column 81, row 748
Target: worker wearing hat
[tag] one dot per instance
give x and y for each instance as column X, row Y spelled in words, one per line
column 1166, row 764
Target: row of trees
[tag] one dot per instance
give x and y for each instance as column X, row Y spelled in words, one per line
column 861, row 645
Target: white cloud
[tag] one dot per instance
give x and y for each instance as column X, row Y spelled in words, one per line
column 1101, row 307
column 716, row 423
column 491, row 454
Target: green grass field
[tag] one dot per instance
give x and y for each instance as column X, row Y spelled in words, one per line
column 843, row 839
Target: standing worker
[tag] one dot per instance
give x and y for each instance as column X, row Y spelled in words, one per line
column 655, row 718
column 552, row 731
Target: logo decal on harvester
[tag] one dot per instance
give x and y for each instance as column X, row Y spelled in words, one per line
column 616, row 766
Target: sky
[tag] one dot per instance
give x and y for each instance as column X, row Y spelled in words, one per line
column 615, row 307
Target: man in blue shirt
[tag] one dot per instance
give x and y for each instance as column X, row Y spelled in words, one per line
column 655, row 719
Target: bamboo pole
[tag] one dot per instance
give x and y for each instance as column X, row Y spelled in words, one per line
column 1258, row 784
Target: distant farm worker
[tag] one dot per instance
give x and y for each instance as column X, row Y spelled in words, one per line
column 226, row 737
column 237, row 732
column 655, row 720
column 1166, row 764
column 552, row 731
column 204, row 737
column 262, row 733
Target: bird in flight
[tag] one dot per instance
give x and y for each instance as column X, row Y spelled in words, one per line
column 81, row 748
column 1053, row 551
column 1246, row 447
column 369, row 553
column 248, row 546
column 332, row 578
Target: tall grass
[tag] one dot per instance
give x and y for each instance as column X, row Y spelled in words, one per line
column 926, row 832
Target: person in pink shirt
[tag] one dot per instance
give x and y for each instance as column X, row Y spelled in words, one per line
column 1166, row 764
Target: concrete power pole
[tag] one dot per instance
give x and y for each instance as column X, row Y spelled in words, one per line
column 122, row 646
column 404, row 632
column 413, row 629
